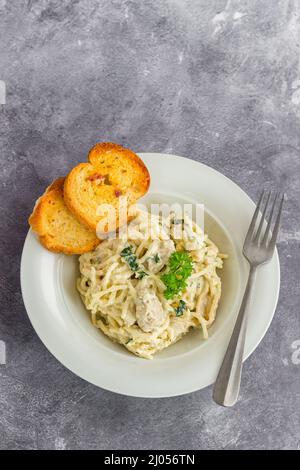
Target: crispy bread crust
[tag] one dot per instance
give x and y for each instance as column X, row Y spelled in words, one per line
column 126, row 174
column 50, row 213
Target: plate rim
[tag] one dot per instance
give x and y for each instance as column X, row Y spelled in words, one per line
column 65, row 363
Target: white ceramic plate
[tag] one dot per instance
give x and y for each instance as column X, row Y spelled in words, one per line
column 61, row 321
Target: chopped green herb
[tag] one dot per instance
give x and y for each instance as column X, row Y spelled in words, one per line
column 132, row 263
column 156, row 258
column 142, row 274
column 128, row 341
column 130, row 258
column 181, row 307
column 126, row 251
column 179, row 270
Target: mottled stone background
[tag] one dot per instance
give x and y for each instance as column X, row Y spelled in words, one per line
column 213, row 80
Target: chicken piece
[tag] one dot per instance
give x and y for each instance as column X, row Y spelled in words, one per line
column 128, row 313
column 159, row 254
column 149, row 311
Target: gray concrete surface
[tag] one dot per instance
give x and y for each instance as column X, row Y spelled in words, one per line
column 217, row 81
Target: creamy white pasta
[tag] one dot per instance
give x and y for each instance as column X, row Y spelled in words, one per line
column 122, row 287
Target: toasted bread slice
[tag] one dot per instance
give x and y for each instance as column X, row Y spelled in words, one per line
column 57, row 227
column 56, row 184
column 112, row 171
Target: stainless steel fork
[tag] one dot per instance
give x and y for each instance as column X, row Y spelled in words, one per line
column 258, row 249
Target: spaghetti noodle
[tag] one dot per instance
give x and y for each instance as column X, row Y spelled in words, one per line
column 121, row 284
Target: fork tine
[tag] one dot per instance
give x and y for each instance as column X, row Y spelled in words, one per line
column 253, row 221
column 268, row 229
column 262, row 219
column 276, row 226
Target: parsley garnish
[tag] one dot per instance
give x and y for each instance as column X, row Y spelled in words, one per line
column 179, row 270
column 181, row 307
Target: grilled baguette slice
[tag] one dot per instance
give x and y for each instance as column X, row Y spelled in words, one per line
column 112, row 171
column 57, row 227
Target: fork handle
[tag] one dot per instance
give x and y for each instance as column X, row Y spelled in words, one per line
column 227, row 385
